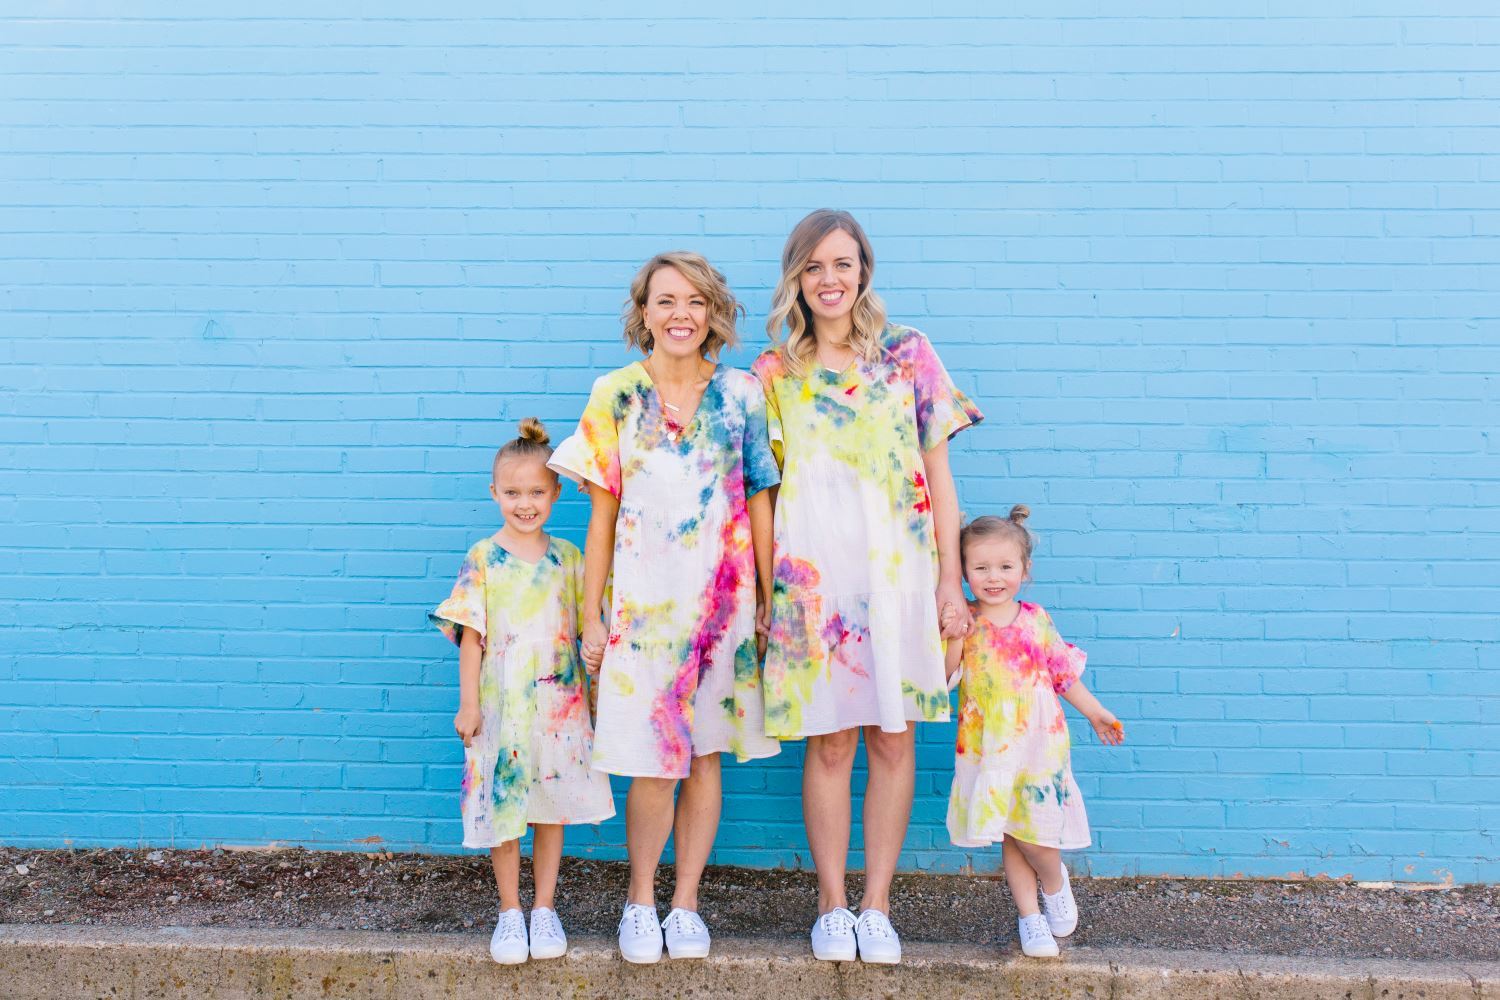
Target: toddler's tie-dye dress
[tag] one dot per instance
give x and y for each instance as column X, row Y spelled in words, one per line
column 680, row 677
column 854, row 629
column 530, row 761
column 1012, row 773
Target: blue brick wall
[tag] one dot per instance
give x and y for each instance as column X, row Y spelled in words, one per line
column 275, row 286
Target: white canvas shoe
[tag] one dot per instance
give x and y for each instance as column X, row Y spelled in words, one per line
column 640, row 934
column 548, row 940
column 878, row 941
column 686, row 934
column 833, row 936
column 508, row 943
column 1060, row 909
column 1036, row 937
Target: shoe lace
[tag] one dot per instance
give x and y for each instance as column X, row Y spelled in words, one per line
column 642, row 920
column 836, row 922
column 512, row 926
column 684, row 922
column 876, row 924
column 546, row 924
column 1034, row 928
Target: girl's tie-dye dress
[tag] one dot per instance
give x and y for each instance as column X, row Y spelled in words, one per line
column 530, row 762
column 1012, row 773
column 680, row 677
column 854, row 629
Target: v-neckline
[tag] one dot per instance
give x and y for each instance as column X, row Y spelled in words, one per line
column 517, row 556
column 685, row 423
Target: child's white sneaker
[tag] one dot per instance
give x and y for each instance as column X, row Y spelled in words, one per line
column 833, row 936
column 686, row 934
column 1036, row 937
column 878, row 942
column 640, row 934
column 508, row 943
column 548, row 939
column 1061, row 911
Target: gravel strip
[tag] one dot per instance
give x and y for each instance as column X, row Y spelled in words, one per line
column 413, row 892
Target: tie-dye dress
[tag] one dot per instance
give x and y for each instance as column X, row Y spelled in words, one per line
column 1012, row 773
column 854, row 630
column 530, row 762
column 680, row 677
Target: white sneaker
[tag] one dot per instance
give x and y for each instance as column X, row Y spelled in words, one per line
column 1036, row 937
column 548, row 940
column 508, row 943
column 833, row 936
column 686, row 934
column 1060, row 910
column 640, row 934
column 878, row 942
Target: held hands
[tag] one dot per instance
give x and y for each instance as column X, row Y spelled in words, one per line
column 762, row 627
column 953, row 612
column 467, row 722
column 1107, row 727
column 593, row 640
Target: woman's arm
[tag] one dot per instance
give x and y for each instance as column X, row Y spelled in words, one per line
column 762, row 540
column 598, row 557
column 943, row 496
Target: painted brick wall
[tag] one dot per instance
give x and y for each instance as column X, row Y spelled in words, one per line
column 273, row 287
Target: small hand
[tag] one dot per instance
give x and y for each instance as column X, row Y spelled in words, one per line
column 467, row 722
column 947, row 616
column 1107, row 727
column 960, row 619
column 595, row 637
column 762, row 628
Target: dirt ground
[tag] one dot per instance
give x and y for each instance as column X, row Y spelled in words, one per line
column 411, row 892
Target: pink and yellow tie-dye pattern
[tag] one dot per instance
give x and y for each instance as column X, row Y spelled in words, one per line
column 854, row 632
column 1012, row 773
column 680, row 677
column 530, row 762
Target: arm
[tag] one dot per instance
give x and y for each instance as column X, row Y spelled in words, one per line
column 1106, row 726
column 943, row 496
column 953, row 653
column 598, row 556
column 470, row 653
column 761, row 524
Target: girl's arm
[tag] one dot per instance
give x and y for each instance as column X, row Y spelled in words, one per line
column 951, row 656
column 943, row 496
column 470, row 653
column 1106, row 726
column 598, row 556
column 762, row 506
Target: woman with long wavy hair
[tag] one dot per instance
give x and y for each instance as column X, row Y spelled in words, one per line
column 866, row 555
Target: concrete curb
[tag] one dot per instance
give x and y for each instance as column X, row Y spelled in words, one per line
column 49, row 961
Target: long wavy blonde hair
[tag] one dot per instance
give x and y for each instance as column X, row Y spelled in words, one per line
column 723, row 309
column 790, row 312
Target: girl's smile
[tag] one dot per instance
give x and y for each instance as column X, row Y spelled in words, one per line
column 995, row 570
column 525, row 489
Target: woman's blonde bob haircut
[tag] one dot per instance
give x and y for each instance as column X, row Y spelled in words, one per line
column 724, row 310
column 789, row 311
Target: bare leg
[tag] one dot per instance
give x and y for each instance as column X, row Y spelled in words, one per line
column 698, row 805
column 546, row 856
column 1021, row 878
column 826, row 811
column 506, row 861
column 648, row 823
column 1046, row 862
column 892, row 760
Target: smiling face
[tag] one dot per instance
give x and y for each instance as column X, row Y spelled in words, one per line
column 676, row 314
column 995, row 568
column 525, row 489
column 830, row 278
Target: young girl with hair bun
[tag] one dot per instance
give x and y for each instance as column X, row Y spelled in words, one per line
column 1013, row 781
column 523, row 713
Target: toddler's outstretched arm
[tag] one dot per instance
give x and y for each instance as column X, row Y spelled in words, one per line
column 1106, row 726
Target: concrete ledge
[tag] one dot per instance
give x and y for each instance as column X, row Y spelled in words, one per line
column 50, row 961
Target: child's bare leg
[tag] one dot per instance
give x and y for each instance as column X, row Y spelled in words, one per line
column 1046, row 862
column 506, row 860
column 1020, row 876
column 546, row 856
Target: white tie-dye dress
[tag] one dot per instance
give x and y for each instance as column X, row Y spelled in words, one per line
column 854, row 630
column 1012, row 773
column 680, row 677
column 530, row 762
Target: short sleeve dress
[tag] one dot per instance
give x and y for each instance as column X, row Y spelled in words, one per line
column 680, row 677
column 530, row 761
column 1012, row 773
column 854, row 631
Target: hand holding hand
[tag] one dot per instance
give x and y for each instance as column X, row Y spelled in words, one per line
column 593, row 640
column 950, row 602
column 762, row 628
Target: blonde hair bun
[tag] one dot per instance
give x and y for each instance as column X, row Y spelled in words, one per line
column 534, row 431
column 1019, row 513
